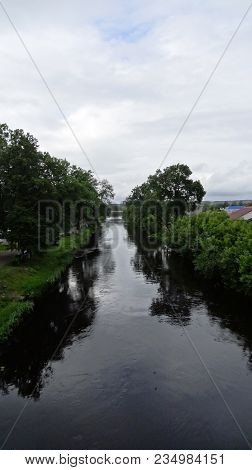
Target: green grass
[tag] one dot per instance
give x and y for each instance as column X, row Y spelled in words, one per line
column 20, row 284
column 10, row 314
column 4, row 247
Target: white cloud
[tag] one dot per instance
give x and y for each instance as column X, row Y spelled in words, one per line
column 126, row 74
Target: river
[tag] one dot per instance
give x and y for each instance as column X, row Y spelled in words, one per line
column 130, row 351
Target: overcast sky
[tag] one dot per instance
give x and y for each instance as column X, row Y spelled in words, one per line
column 126, row 74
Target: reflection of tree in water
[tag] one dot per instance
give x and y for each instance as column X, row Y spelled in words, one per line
column 172, row 304
column 108, row 243
column 233, row 313
column 180, row 289
column 230, row 310
column 107, row 262
column 25, row 360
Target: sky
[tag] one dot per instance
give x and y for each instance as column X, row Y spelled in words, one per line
column 126, row 73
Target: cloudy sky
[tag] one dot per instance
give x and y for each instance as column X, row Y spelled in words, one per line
column 126, row 73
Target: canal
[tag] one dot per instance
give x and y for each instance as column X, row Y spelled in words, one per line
column 130, row 351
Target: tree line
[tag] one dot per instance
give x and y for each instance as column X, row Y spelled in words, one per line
column 37, row 188
column 164, row 196
column 220, row 248
column 162, row 209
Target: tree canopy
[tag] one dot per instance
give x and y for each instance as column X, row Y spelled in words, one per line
column 29, row 176
column 164, row 195
column 220, row 248
column 172, row 185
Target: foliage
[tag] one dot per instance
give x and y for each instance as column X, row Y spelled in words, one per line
column 164, row 195
column 41, row 195
column 20, row 284
column 29, row 177
column 221, row 248
column 10, row 314
column 4, row 246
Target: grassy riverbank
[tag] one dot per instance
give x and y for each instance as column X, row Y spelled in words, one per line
column 21, row 284
column 3, row 246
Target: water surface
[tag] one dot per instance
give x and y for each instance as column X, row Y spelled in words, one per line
column 131, row 351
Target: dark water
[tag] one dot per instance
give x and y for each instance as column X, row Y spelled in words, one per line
column 154, row 359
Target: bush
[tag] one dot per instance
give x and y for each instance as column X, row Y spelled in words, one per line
column 220, row 248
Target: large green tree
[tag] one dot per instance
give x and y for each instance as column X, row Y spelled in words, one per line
column 20, row 183
column 165, row 195
column 31, row 181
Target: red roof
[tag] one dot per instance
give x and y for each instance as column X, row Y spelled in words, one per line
column 240, row 212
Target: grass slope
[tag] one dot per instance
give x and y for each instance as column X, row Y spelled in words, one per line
column 4, row 246
column 20, row 284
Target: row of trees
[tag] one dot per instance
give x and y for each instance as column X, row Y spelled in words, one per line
column 163, row 209
column 220, row 248
column 37, row 188
column 163, row 197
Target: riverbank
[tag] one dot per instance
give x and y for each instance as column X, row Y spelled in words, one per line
column 220, row 249
column 22, row 284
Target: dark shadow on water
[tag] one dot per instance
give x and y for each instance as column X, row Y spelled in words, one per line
column 181, row 291
column 172, row 297
column 25, row 359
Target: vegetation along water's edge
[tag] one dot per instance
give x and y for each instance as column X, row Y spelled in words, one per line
column 220, row 248
column 49, row 208
column 166, row 210
column 22, row 283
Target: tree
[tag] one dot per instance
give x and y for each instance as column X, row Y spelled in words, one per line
column 29, row 177
column 165, row 195
column 105, row 191
column 20, row 183
column 106, row 195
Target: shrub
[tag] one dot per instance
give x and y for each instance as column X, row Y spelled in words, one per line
column 220, row 248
